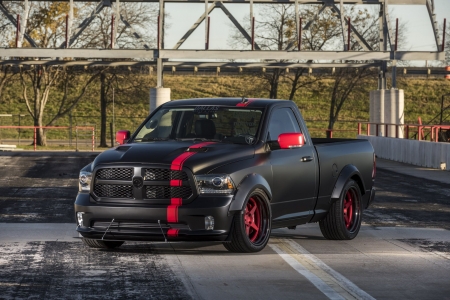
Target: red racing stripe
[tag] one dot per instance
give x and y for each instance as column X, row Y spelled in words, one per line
column 172, row 232
column 177, row 165
column 245, row 104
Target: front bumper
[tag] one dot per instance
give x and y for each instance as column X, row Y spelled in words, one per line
column 129, row 222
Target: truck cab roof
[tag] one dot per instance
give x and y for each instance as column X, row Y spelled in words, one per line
column 239, row 102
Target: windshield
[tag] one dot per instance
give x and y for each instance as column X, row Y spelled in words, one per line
column 222, row 124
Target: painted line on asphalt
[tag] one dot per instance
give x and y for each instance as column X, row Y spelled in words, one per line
column 332, row 278
column 316, row 281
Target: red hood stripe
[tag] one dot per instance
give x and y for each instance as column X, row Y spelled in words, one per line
column 177, row 165
column 245, row 104
column 172, row 232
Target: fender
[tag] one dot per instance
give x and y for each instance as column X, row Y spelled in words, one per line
column 247, row 185
column 347, row 172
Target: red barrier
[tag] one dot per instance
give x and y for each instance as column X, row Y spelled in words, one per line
column 52, row 127
column 421, row 132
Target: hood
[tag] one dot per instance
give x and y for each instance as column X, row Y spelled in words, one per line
column 165, row 152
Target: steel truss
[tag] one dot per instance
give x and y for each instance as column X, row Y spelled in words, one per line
column 162, row 56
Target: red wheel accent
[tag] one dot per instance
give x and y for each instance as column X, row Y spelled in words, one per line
column 348, row 209
column 252, row 219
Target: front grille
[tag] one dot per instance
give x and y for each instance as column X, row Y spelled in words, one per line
column 167, row 192
column 117, row 183
column 115, row 174
column 113, row 191
column 163, row 175
column 157, row 192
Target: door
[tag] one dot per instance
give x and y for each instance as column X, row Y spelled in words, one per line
column 293, row 170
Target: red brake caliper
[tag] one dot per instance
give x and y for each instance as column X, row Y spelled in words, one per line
column 348, row 209
column 252, row 219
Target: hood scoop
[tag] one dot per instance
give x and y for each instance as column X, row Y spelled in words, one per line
column 123, row 148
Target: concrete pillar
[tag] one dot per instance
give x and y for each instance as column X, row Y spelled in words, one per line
column 158, row 96
column 387, row 106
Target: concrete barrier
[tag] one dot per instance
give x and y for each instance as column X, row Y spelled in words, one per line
column 419, row 153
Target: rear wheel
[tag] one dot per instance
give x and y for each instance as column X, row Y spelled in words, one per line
column 343, row 221
column 251, row 229
column 102, row 244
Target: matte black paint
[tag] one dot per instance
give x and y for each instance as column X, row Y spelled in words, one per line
column 300, row 191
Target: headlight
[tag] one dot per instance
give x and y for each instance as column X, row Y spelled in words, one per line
column 85, row 181
column 214, row 184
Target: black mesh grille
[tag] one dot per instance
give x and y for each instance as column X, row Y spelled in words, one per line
column 113, row 191
column 124, row 190
column 157, row 192
column 164, row 175
column 167, row 192
column 115, row 174
column 181, row 192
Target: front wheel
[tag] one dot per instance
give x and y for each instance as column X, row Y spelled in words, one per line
column 251, row 229
column 102, row 244
column 343, row 220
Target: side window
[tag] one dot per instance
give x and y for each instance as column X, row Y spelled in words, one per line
column 282, row 121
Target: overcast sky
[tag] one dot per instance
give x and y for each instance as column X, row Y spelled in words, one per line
column 420, row 34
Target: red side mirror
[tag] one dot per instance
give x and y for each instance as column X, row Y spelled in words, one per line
column 122, row 136
column 291, row 140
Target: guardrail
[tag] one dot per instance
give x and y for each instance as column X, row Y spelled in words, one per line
column 421, row 132
column 55, row 127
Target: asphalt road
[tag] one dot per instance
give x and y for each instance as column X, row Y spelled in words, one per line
column 402, row 251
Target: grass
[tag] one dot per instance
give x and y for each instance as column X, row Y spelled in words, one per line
column 422, row 98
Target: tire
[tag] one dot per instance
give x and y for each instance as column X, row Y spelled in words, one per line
column 102, row 244
column 343, row 220
column 250, row 231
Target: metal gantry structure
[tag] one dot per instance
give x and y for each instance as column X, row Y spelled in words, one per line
column 162, row 56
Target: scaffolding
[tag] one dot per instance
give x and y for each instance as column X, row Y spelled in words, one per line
column 162, row 56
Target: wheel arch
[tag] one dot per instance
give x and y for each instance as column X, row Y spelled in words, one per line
column 348, row 172
column 245, row 187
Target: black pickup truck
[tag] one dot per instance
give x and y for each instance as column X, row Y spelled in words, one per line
column 226, row 170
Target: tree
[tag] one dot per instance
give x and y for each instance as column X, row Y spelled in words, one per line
column 346, row 81
column 139, row 19
column 41, row 80
column 275, row 29
column 5, row 76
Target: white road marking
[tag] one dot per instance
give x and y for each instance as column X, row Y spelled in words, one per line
column 341, row 280
column 297, row 266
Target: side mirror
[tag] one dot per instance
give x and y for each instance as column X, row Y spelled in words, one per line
column 122, row 136
column 291, row 140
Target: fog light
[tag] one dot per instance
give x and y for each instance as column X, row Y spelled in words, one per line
column 209, row 222
column 80, row 218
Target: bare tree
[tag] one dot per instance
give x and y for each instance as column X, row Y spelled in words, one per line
column 41, row 80
column 5, row 75
column 276, row 30
column 136, row 29
column 347, row 81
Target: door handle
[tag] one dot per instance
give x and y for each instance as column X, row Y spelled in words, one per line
column 306, row 158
